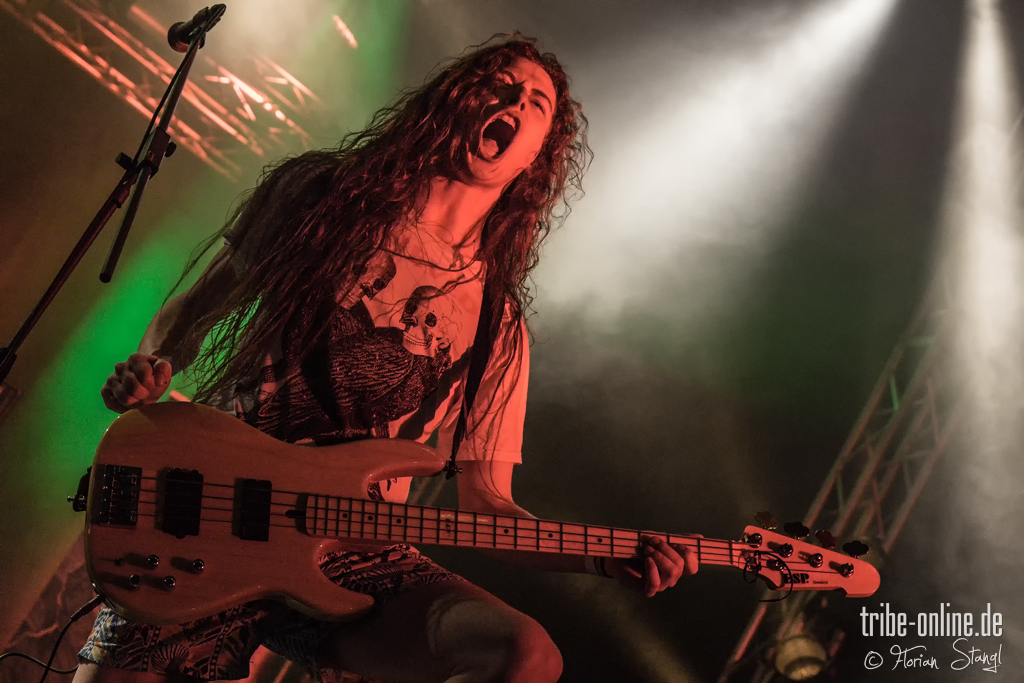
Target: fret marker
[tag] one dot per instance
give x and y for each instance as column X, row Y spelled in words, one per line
column 551, row 535
column 398, row 521
column 504, row 531
column 369, row 518
column 344, row 515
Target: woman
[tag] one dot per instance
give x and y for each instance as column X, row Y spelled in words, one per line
column 345, row 306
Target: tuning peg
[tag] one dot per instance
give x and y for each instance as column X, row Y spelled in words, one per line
column 825, row 538
column 766, row 520
column 796, row 529
column 855, row 549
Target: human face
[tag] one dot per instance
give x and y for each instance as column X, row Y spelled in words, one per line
column 516, row 124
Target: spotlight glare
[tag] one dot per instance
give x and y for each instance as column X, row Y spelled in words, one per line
column 800, row 658
column 984, row 251
column 722, row 147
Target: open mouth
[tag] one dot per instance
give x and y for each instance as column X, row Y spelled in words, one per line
column 497, row 136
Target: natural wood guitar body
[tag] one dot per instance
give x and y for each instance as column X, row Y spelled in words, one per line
column 233, row 571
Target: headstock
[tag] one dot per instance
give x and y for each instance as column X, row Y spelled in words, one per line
column 786, row 563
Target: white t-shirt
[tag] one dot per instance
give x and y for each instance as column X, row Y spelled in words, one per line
column 393, row 363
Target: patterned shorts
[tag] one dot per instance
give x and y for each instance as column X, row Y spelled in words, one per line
column 219, row 647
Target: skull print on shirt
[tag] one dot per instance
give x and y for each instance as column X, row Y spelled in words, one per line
column 384, row 349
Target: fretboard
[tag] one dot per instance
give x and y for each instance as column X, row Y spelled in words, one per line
column 338, row 517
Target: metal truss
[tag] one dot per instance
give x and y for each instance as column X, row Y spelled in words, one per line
column 225, row 119
column 903, row 430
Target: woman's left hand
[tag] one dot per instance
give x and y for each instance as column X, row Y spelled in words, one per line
column 658, row 565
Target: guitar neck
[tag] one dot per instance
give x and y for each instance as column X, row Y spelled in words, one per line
column 338, row 517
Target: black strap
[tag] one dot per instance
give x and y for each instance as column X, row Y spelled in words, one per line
column 483, row 343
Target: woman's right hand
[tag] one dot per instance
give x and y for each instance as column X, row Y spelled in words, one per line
column 140, row 380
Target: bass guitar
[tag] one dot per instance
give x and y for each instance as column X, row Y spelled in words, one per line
column 191, row 511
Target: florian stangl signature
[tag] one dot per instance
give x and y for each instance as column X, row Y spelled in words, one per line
column 917, row 657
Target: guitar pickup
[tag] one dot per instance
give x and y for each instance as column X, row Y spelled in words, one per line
column 254, row 509
column 183, row 502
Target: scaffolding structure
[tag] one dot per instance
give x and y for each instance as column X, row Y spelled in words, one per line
column 227, row 118
column 903, row 430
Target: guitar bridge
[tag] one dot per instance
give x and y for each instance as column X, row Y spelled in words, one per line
column 119, row 495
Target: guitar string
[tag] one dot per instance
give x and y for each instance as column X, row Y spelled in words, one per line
column 523, row 540
column 707, row 548
column 363, row 502
column 475, row 518
column 480, row 525
column 738, row 557
column 739, row 561
column 351, row 501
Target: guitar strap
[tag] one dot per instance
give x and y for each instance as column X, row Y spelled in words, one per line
column 483, row 343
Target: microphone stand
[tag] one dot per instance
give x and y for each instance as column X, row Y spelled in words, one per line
column 155, row 146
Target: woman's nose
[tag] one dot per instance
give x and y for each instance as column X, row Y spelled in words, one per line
column 517, row 95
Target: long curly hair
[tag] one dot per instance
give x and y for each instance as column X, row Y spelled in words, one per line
column 307, row 230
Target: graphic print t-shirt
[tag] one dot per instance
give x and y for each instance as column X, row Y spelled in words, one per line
column 392, row 363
